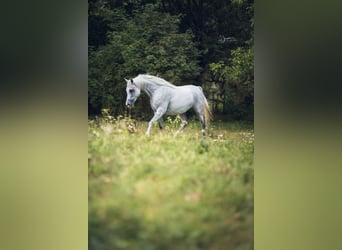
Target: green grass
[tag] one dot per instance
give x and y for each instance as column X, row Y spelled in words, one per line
column 161, row 192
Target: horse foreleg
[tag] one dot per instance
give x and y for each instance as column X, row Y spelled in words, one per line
column 157, row 115
column 183, row 124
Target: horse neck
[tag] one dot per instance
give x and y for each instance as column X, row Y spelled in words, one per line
column 148, row 87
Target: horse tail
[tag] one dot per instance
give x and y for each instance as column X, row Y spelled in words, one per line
column 207, row 113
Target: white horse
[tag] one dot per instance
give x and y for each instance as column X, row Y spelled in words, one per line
column 169, row 99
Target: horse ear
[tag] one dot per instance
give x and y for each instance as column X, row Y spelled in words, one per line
column 125, row 79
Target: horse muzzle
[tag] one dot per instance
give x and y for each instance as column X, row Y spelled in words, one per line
column 130, row 104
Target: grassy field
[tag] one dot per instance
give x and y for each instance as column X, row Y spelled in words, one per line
column 164, row 192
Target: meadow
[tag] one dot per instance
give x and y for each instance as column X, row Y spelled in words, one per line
column 165, row 192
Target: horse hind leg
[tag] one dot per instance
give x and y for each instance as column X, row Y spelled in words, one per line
column 184, row 123
column 161, row 123
column 200, row 116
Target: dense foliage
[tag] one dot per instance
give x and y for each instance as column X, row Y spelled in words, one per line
column 201, row 42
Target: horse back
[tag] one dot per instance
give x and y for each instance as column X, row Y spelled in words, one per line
column 183, row 98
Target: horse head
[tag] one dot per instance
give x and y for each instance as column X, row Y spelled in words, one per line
column 132, row 92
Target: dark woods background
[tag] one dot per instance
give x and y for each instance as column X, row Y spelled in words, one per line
column 200, row 42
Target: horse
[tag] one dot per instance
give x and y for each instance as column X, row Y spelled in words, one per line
column 169, row 99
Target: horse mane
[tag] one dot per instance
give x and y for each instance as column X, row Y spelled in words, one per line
column 157, row 80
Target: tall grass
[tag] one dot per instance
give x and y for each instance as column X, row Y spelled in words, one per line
column 165, row 192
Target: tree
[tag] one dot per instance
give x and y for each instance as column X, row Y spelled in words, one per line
column 235, row 82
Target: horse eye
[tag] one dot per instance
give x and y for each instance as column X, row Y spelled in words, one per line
column 131, row 91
